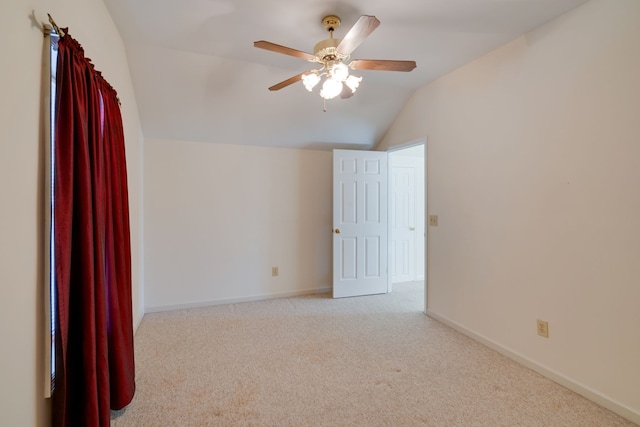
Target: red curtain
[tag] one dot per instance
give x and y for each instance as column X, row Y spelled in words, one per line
column 94, row 344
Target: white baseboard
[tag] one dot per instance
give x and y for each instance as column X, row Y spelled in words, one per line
column 583, row 390
column 136, row 324
column 251, row 298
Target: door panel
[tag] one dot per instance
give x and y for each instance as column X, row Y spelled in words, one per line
column 349, row 258
column 372, row 257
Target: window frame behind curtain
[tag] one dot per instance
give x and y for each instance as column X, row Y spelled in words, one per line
column 49, row 259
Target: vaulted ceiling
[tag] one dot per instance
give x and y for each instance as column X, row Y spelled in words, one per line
column 197, row 76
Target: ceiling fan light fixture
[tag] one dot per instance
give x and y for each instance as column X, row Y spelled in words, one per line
column 331, row 88
column 310, row 80
column 353, row 82
column 339, row 71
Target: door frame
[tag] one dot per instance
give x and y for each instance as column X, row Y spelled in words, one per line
column 410, row 144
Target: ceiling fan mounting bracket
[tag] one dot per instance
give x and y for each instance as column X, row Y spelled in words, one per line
column 331, row 22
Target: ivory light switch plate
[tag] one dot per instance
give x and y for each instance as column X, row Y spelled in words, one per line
column 543, row 328
column 433, row 220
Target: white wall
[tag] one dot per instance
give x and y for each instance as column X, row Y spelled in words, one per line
column 22, row 192
column 533, row 170
column 218, row 217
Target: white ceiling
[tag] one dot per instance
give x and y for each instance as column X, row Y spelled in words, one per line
column 197, row 76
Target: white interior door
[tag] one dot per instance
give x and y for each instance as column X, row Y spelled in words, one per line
column 360, row 245
column 403, row 220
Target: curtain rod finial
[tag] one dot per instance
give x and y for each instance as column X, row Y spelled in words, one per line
column 55, row 26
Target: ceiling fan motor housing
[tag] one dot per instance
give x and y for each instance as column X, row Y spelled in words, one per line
column 326, row 50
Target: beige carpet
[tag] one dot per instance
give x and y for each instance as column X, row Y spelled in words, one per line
column 315, row 361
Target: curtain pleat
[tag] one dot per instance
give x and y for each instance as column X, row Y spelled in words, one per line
column 92, row 247
column 120, row 315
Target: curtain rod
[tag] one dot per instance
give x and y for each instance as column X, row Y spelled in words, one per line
column 55, row 26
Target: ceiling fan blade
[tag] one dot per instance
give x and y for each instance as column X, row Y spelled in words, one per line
column 382, row 65
column 289, row 81
column 283, row 49
column 356, row 35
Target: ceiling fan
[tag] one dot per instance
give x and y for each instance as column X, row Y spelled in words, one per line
column 333, row 56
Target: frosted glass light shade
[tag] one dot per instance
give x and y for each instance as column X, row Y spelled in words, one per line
column 353, row 82
column 310, row 81
column 340, row 72
column 331, row 88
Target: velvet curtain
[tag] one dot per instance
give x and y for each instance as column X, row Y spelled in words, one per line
column 94, row 344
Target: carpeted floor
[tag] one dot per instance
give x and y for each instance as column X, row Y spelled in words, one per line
column 315, row 361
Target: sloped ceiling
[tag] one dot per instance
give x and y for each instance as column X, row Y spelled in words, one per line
column 197, row 76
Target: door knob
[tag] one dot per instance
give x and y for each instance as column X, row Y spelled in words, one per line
column 337, row 231
column 412, row 228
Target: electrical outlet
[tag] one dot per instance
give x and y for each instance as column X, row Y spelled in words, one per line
column 433, row 220
column 543, row 328
column 274, row 271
